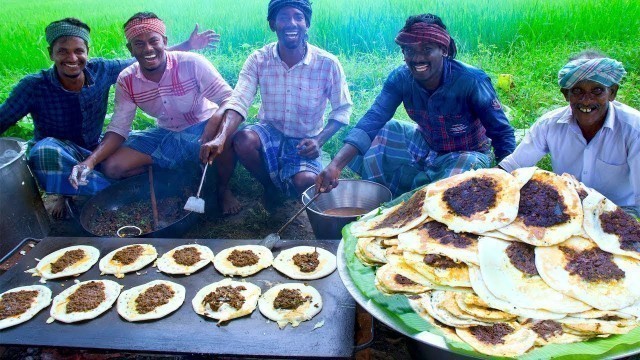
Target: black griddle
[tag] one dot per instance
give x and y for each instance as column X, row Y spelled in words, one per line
column 184, row 331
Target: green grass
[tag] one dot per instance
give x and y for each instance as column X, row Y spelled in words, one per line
column 530, row 39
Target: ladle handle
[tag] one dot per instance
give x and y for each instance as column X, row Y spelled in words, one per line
column 298, row 213
column 204, row 172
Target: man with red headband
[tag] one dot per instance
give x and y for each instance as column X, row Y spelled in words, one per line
column 296, row 80
column 456, row 111
column 181, row 90
column 68, row 104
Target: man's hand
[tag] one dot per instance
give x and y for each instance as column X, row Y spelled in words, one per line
column 210, row 150
column 206, row 39
column 79, row 175
column 309, row 148
column 327, row 180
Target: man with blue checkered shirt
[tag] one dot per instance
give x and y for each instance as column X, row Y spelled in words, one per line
column 68, row 104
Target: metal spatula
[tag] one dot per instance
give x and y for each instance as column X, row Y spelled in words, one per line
column 273, row 238
column 196, row 203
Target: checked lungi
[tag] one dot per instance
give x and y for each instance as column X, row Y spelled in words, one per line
column 52, row 160
column 281, row 157
column 400, row 159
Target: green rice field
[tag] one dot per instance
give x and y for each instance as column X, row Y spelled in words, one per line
column 530, row 39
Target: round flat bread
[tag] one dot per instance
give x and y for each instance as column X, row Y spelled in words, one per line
column 290, row 303
column 439, row 269
column 480, row 288
column 85, row 300
column 552, row 332
column 549, row 210
column 449, row 332
column 433, row 237
column 185, row 259
column 243, row 260
column 152, row 300
column 510, row 273
column 370, row 251
column 31, row 299
column 610, row 227
column 231, row 299
column 391, row 279
column 305, row 262
column 595, row 327
column 127, row 259
column 579, row 269
column 475, row 307
column 474, row 201
column 72, row 260
column 394, row 220
column 515, row 339
column 442, row 307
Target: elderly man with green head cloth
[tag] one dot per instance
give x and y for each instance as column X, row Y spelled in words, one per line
column 68, row 104
column 594, row 138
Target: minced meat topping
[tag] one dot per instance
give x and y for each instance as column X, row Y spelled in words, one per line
column 128, row 255
column 87, row 297
column 153, row 297
column 523, row 257
column 405, row 213
column 187, row 256
column 471, row 196
column 445, row 236
column 225, row 294
column 289, row 299
column 624, row 226
column 541, row 205
column 242, row 258
column 67, row 259
column 491, row 334
column 547, row 328
column 441, row 262
column 307, row 262
column 16, row 303
column 582, row 194
column 402, row 280
column 592, row 265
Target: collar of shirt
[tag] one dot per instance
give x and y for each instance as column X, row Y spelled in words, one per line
column 305, row 61
column 171, row 60
column 89, row 77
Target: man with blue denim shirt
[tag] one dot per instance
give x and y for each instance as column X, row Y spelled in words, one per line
column 68, row 104
column 456, row 112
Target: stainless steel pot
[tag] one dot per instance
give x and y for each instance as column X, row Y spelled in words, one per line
column 362, row 194
column 23, row 214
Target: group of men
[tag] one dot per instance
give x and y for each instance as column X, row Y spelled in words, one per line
column 457, row 117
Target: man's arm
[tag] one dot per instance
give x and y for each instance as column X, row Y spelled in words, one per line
column 634, row 171
column 206, row 39
column 485, row 104
column 530, row 150
column 211, row 149
column 16, row 106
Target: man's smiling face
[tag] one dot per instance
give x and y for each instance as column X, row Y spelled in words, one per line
column 69, row 54
column 589, row 101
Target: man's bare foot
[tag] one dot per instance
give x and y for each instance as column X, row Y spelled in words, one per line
column 228, row 203
column 59, row 210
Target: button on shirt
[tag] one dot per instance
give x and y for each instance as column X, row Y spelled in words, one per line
column 460, row 115
column 58, row 113
column 609, row 163
column 189, row 92
column 294, row 99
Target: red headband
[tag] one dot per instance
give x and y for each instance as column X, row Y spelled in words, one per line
column 421, row 33
column 140, row 26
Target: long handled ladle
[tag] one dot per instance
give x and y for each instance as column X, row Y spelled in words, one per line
column 273, row 238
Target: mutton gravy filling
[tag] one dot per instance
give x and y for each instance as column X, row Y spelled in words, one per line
column 241, row 258
column 153, row 297
column 445, row 236
column 289, row 299
column 592, row 265
column 187, row 256
column 491, row 334
column 87, row 297
column 307, row 262
column 128, row 255
column 547, row 329
column 441, row 262
column 541, row 205
column 225, row 294
column 624, row 226
column 67, row 259
column 404, row 214
column 471, row 196
column 16, row 303
column 523, row 257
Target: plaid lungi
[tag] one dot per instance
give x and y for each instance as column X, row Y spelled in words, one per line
column 168, row 149
column 281, row 157
column 52, row 160
column 400, row 159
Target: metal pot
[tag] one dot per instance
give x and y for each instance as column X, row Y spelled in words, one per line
column 23, row 214
column 363, row 194
column 136, row 188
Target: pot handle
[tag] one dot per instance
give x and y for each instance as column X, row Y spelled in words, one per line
column 18, row 247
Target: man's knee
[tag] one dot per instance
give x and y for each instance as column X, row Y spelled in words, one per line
column 303, row 180
column 113, row 169
column 245, row 142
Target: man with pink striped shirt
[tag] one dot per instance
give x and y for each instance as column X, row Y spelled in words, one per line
column 181, row 90
column 296, row 81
